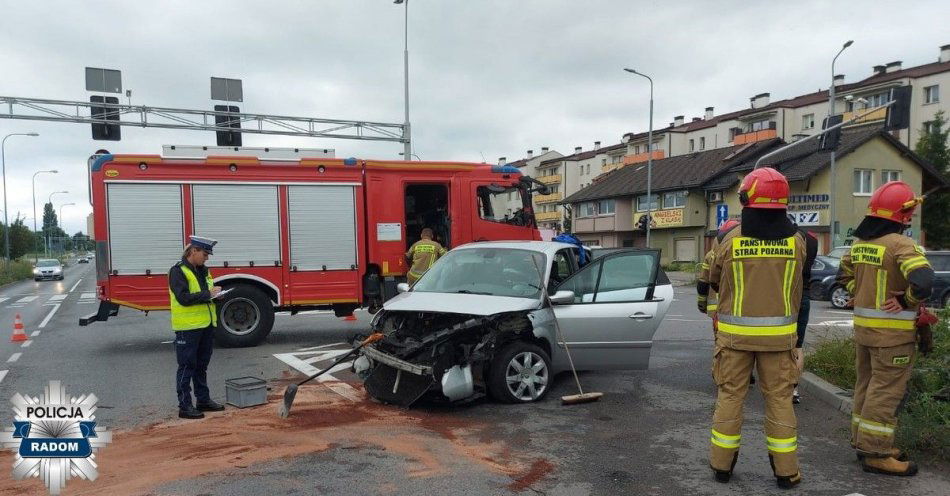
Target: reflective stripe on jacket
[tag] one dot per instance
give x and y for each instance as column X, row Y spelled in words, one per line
column 760, row 291
column 197, row 316
column 874, row 271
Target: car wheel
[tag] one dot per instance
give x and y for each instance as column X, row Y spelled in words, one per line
column 840, row 297
column 36, row 279
column 520, row 373
column 245, row 317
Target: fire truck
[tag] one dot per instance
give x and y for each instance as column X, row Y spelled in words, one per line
column 297, row 229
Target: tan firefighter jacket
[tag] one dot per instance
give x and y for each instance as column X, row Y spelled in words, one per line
column 760, row 291
column 709, row 300
column 423, row 254
column 874, row 271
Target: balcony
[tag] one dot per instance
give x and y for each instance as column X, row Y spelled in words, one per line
column 553, row 197
column 552, row 179
column 877, row 115
column 752, row 137
column 643, row 157
column 547, row 216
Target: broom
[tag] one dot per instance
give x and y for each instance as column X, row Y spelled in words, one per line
column 284, row 409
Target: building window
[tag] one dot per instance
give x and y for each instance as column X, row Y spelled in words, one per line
column 603, row 162
column 588, row 168
column 692, row 145
column 808, row 121
column 930, row 127
column 581, row 167
column 890, row 175
column 702, row 142
column 636, row 149
column 733, row 131
column 642, row 203
column 862, row 181
column 878, row 99
column 760, row 125
column 605, row 207
column 676, row 199
column 588, row 209
column 932, row 94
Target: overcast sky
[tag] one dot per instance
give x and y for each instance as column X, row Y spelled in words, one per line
column 488, row 78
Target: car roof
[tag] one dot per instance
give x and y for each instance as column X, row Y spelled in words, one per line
column 546, row 247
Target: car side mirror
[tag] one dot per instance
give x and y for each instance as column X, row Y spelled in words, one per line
column 563, row 298
column 402, row 287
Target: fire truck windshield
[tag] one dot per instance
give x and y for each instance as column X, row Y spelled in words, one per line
column 505, row 204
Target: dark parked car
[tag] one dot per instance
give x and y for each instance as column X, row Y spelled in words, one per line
column 823, row 284
column 940, row 260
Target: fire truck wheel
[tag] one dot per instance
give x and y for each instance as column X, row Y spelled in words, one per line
column 245, row 317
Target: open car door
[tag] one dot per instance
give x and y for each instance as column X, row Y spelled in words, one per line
column 615, row 313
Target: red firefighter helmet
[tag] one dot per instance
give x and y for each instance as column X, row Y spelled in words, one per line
column 894, row 200
column 764, row 187
column 727, row 225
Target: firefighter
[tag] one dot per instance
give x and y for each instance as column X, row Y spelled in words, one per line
column 193, row 314
column 422, row 254
column 804, row 311
column 756, row 269
column 706, row 300
column 888, row 276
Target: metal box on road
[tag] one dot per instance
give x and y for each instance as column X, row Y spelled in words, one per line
column 245, row 391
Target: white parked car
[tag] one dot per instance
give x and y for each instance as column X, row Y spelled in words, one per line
column 478, row 322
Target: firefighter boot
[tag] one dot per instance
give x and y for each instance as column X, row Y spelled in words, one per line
column 785, row 481
column 889, row 466
column 895, row 453
column 723, row 475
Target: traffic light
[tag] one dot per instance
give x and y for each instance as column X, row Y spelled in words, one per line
column 227, row 138
column 831, row 139
column 108, row 132
column 898, row 114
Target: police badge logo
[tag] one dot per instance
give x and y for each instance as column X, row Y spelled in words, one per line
column 55, row 437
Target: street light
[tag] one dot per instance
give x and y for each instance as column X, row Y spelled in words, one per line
column 60, row 218
column 53, row 171
column 414, row 155
column 407, row 146
column 3, row 164
column 50, row 201
column 649, row 157
column 831, row 113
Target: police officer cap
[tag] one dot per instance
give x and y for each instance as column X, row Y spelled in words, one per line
column 206, row 244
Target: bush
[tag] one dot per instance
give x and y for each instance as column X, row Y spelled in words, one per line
column 681, row 267
column 15, row 271
column 924, row 423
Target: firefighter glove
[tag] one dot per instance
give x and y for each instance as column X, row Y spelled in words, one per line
column 925, row 340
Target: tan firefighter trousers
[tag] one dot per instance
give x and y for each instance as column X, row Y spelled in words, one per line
column 878, row 393
column 777, row 375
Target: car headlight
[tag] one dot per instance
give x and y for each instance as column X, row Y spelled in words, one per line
column 57, row 270
column 36, row 270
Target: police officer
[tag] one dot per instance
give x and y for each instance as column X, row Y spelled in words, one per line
column 422, row 254
column 889, row 277
column 193, row 313
column 707, row 300
column 756, row 270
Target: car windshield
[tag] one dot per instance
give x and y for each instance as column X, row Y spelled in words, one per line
column 833, row 262
column 839, row 252
column 488, row 271
column 47, row 263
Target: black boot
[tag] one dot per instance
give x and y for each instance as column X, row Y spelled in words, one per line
column 210, row 406
column 723, row 476
column 190, row 413
column 785, row 481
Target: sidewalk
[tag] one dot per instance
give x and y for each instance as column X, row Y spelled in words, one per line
column 682, row 278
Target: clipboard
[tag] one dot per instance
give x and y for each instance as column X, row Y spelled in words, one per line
column 222, row 293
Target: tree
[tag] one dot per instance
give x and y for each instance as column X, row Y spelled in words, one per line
column 49, row 217
column 932, row 147
column 21, row 238
column 82, row 242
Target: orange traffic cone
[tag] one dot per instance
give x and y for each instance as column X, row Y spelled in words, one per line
column 19, row 334
column 350, row 318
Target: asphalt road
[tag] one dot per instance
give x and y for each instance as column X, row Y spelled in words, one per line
column 647, row 435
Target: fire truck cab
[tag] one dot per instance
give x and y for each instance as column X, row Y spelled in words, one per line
column 297, row 230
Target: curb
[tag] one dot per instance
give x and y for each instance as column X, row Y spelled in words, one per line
column 834, row 396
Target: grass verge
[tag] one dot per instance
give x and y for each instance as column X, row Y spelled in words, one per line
column 15, row 271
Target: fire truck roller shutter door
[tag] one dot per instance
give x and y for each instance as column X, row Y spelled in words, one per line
column 322, row 227
column 145, row 227
column 243, row 218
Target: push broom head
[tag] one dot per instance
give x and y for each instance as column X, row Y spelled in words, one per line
column 576, row 399
column 284, row 409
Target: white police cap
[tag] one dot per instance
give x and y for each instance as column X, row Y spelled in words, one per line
column 206, row 244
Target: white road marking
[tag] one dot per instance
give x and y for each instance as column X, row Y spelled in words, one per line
column 3, row 373
column 671, row 315
column 59, row 297
column 20, row 305
column 48, row 316
column 86, row 296
column 86, row 301
column 308, row 312
column 74, row 285
column 27, row 299
column 35, row 333
column 3, row 299
column 168, row 342
column 14, row 357
column 322, row 346
column 845, row 323
column 839, row 311
column 27, row 343
column 304, row 366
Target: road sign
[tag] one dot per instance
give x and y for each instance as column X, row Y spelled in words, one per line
column 722, row 214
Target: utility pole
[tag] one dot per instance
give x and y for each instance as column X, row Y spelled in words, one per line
column 831, row 112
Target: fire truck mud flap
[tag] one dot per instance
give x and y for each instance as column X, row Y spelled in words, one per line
column 106, row 309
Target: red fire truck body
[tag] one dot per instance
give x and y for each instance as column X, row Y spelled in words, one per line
column 299, row 234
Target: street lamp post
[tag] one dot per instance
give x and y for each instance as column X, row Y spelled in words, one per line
column 831, row 113
column 649, row 158
column 36, row 255
column 59, row 219
column 407, row 145
column 50, row 201
column 3, row 164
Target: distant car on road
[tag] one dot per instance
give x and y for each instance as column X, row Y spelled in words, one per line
column 940, row 261
column 824, row 285
column 83, row 260
column 48, row 268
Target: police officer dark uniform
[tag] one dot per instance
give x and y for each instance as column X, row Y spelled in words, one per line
column 889, row 277
column 756, row 270
column 193, row 317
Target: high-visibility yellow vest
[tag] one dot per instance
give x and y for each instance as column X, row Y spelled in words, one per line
column 191, row 317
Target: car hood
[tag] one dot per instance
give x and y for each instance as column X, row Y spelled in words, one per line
column 471, row 304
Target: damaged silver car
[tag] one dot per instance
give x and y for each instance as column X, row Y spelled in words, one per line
column 478, row 322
